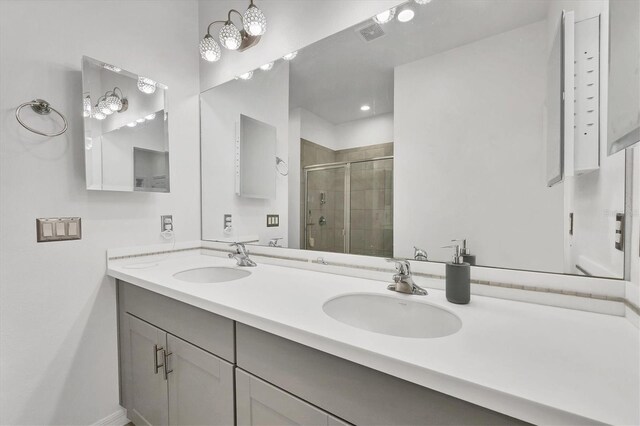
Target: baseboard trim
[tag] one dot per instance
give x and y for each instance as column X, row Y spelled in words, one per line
column 119, row 418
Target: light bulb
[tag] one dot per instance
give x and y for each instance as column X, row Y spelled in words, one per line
column 132, row 124
column 104, row 108
column 150, row 116
column 140, row 120
column 267, row 67
column 86, row 107
column 230, row 36
column 386, row 16
column 146, row 85
column 365, row 108
column 254, row 21
column 423, row 1
column 290, row 56
column 406, row 15
column 114, row 102
column 209, row 49
column 246, row 76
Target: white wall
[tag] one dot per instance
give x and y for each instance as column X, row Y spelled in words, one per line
column 317, row 130
column 365, row 131
column 266, row 98
column 57, row 309
column 291, row 25
column 469, row 154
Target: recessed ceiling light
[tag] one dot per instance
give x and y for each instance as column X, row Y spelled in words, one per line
column 267, row 67
column 406, row 15
column 384, row 17
column 290, row 56
column 423, row 1
column 365, row 108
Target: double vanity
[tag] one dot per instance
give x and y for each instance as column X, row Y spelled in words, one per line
column 204, row 341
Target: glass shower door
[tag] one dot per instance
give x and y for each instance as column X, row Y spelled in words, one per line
column 324, row 209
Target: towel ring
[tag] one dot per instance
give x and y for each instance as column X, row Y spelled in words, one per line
column 41, row 107
column 282, row 167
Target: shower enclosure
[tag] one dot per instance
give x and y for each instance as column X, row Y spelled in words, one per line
column 349, row 207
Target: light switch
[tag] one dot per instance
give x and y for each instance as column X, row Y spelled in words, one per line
column 47, row 229
column 60, row 229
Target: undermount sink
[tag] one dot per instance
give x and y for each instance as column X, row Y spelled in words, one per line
column 392, row 316
column 213, row 274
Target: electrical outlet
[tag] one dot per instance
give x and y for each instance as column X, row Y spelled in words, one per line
column 227, row 221
column 166, row 223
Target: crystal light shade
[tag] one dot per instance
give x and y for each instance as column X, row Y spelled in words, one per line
column 386, row 16
column 86, row 107
column 146, row 85
column 209, row 49
column 290, row 56
column 267, row 67
column 98, row 115
column 230, row 36
column 254, row 21
column 114, row 102
column 104, row 108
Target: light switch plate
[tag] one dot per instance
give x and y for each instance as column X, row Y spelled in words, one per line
column 273, row 220
column 58, row 229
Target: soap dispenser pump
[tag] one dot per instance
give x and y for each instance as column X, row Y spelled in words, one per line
column 458, row 278
column 467, row 257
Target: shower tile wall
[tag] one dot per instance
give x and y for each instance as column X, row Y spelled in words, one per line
column 371, row 199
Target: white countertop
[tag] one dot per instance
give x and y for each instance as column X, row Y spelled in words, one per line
column 541, row 364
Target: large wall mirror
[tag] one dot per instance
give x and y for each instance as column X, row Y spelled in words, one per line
column 125, row 129
column 421, row 126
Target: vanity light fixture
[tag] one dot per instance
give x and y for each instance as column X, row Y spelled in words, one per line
column 422, row 1
column 107, row 104
column 98, row 115
column 405, row 15
column 246, row 76
column 267, row 67
column 290, row 56
column 103, row 107
column 386, row 16
column 116, row 102
column 146, row 85
column 365, row 108
column 254, row 25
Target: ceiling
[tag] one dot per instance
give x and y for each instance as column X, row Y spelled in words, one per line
column 333, row 77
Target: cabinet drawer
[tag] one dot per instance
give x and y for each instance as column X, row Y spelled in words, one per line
column 261, row 404
column 204, row 329
column 358, row 394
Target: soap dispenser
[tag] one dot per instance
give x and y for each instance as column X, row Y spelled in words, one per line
column 467, row 257
column 458, row 278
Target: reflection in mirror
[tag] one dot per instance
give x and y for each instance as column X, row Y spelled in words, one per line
column 402, row 136
column 256, row 157
column 126, row 130
column 624, row 74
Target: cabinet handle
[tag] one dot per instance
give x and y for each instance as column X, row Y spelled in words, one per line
column 165, row 364
column 157, row 366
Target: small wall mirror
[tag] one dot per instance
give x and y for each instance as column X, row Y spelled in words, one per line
column 125, row 129
column 624, row 74
column 256, row 147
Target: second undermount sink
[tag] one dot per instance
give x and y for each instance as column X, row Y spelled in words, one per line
column 213, row 274
column 392, row 316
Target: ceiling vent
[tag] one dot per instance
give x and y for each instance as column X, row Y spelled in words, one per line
column 370, row 32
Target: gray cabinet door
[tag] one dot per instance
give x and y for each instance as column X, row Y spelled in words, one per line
column 147, row 396
column 200, row 386
column 261, row 404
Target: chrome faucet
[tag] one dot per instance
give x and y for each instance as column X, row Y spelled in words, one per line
column 241, row 255
column 274, row 242
column 402, row 281
column 420, row 254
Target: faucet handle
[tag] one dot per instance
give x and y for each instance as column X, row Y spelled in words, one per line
column 402, row 266
column 240, row 247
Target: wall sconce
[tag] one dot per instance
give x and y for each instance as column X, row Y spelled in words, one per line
column 254, row 25
column 107, row 104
